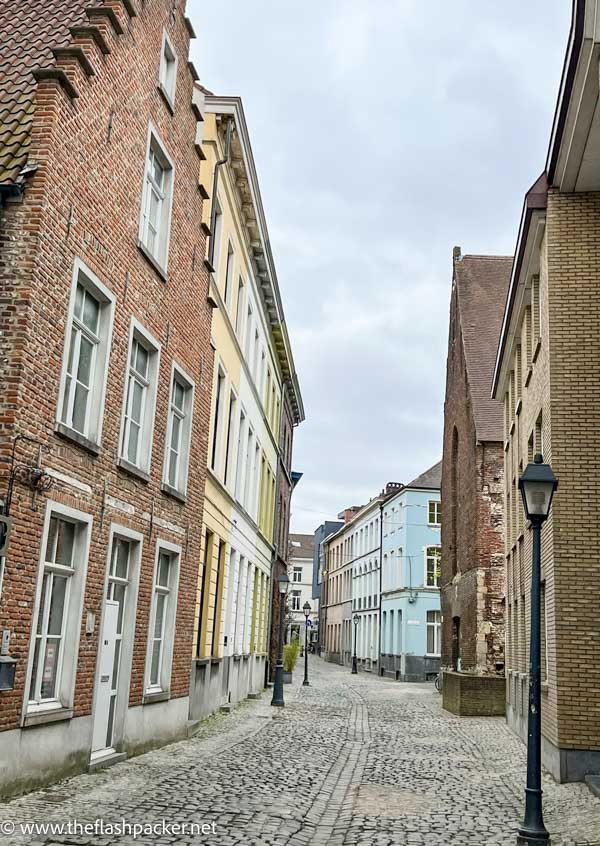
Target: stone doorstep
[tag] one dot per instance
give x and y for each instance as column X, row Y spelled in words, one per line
column 106, row 761
column 593, row 782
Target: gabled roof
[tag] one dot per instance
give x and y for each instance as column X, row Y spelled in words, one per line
column 301, row 546
column 431, row 478
column 30, row 30
column 481, row 287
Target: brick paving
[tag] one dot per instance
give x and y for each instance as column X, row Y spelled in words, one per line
column 349, row 760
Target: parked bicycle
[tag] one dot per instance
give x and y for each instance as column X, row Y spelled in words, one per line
column 439, row 682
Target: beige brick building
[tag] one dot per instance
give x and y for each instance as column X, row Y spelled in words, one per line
column 547, row 374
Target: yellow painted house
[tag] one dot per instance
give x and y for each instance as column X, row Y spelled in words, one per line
column 252, row 359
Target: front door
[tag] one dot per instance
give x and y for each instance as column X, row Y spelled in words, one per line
column 102, row 737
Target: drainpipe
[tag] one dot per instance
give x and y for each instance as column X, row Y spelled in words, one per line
column 213, row 212
column 380, row 584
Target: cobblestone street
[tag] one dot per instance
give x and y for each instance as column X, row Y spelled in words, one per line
column 350, row 760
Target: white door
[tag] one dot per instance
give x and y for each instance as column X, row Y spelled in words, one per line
column 100, row 739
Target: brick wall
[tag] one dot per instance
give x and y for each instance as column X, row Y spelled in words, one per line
column 472, row 541
column 84, row 202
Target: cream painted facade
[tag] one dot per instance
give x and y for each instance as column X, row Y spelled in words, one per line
column 252, row 359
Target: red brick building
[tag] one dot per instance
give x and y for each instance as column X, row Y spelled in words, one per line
column 107, row 372
column 472, row 472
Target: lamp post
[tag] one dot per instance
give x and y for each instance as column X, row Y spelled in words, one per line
column 306, row 609
column 277, row 699
column 537, row 486
column 354, row 666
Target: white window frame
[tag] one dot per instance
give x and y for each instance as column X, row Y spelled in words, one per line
column 296, row 595
column 229, row 276
column 425, row 556
column 297, row 571
column 74, row 609
column 437, row 512
column 178, row 374
column 166, row 662
column 161, row 257
column 436, row 625
column 138, row 332
column 168, row 56
column 95, row 414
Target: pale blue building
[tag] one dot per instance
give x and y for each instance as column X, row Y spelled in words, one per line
column 410, row 580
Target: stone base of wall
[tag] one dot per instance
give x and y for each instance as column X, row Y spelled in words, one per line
column 474, row 696
column 226, row 681
column 410, row 668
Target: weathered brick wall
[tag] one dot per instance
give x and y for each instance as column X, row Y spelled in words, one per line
column 472, row 495
column 469, row 695
column 84, row 201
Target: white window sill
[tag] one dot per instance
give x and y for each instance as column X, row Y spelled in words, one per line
column 132, row 470
column 152, row 260
column 154, row 694
column 169, row 491
column 166, row 97
column 39, row 714
column 72, row 435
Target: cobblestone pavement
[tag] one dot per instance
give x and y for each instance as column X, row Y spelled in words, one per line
column 349, row 760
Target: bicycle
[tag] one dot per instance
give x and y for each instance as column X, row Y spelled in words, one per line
column 439, row 682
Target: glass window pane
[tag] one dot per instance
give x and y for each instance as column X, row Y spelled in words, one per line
column 163, row 570
column 65, row 543
column 57, row 605
column 156, row 647
column 84, row 365
column 41, row 612
column 79, row 294
column 121, row 558
column 173, row 461
column 79, row 408
column 137, row 401
column 50, row 669
column 72, row 342
column 141, row 360
column 178, row 395
column 160, row 610
column 118, row 594
column 91, row 310
column 157, row 169
column 132, row 446
column 175, row 429
column 51, row 541
column 34, row 669
column 115, row 672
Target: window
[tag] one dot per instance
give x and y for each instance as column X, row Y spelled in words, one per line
column 229, row 440
column 433, row 557
column 156, row 202
column 162, row 618
column 239, row 313
column 434, row 628
column 168, row 70
column 248, row 334
column 179, row 430
column 434, row 513
column 57, row 615
column 297, row 574
column 217, row 418
column 215, row 244
column 228, row 275
column 296, row 600
column 140, row 398
column 87, row 350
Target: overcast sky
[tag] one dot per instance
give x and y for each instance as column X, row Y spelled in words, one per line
column 384, row 132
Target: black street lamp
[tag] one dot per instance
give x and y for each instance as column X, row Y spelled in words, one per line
column 354, row 666
column 537, row 486
column 277, row 699
column 306, row 609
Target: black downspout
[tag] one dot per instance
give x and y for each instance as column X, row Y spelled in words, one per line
column 379, row 668
column 213, row 212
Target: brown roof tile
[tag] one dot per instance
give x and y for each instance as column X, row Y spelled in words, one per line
column 481, row 285
column 29, row 29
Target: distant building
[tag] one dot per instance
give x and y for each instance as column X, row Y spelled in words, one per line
column 300, row 572
column 410, row 580
column 472, row 476
column 324, row 530
column 548, row 377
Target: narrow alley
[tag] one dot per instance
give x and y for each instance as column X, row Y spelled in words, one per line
column 349, row 760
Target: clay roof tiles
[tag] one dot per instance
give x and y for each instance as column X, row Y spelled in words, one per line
column 481, row 286
column 29, row 29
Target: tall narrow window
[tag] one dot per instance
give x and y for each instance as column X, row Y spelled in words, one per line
column 216, row 632
column 228, row 275
column 434, row 626
column 168, row 70
column 248, row 335
column 203, row 605
column 434, row 510
column 89, row 329
column 229, row 439
column 433, row 569
column 215, row 243
column 179, row 431
column 239, row 310
column 118, row 585
column 162, row 618
column 248, row 473
column 241, row 442
column 156, row 202
column 217, row 419
column 57, row 613
column 140, row 399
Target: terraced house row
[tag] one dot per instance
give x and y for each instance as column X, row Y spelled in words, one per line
column 149, row 391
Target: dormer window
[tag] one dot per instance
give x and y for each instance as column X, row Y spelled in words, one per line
column 168, row 70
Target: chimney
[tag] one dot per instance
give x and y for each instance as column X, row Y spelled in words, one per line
column 393, row 487
column 348, row 513
column 456, row 254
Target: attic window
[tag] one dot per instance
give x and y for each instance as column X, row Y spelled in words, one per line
column 168, row 70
